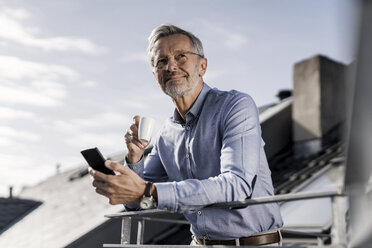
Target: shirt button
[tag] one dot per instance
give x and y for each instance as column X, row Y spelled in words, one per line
column 187, row 128
column 187, row 156
column 205, row 237
column 199, row 213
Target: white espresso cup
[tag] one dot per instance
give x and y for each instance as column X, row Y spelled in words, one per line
column 146, row 128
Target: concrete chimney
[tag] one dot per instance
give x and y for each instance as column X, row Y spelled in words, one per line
column 318, row 102
column 58, row 168
column 10, row 192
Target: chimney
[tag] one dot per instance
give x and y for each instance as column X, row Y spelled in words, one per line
column 318, row 103
column 10, row 192
column 283, row 94
column 58, row 168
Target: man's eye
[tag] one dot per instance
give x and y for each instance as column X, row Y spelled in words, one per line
column 161, row 62
column 180, row 56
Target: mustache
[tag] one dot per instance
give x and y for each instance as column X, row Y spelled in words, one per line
column 174, row 73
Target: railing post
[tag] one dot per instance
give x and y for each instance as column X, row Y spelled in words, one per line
column 126, row 227
column 140, row 231
column 338, row 231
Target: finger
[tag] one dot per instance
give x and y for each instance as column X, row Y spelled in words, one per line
column 146, row 143
column 134, row 130
column 134, row 136
column 93, row 174
column 99, row 176
column 136, row 119
column 99, row 184
column 128, row 136
column 116, row 167
column 91, row 171
column 102, row 192
column 131, row 138
column 139, row 143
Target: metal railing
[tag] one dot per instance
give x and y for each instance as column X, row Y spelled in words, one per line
column 338, row 231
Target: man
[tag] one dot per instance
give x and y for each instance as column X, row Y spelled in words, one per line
column 210, row 151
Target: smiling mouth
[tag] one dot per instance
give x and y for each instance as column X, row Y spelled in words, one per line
column 174, row 77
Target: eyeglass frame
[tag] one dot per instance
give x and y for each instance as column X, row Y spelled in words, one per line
column 156, row 66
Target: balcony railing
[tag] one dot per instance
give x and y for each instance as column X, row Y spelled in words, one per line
column 338, row 231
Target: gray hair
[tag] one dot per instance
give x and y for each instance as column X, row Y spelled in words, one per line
column 168, row 30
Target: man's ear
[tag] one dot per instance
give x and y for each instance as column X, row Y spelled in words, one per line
column 203, row 66
column 154, row 73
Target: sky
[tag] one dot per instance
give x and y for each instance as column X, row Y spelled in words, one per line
column 74, row 73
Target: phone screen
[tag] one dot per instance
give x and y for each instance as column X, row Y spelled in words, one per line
column 95, row 160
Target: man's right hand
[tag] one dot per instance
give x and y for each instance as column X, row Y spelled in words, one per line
column 134, row 145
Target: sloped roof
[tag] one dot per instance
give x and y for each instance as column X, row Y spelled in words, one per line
column 294, row 171
column 70, row 209
column 290, row 172
column 14, row 209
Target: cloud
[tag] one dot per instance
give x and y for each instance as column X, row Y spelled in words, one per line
column 37, row 84
column 88, row 84
column 14, row 68
column 4, row 141
column 106, row 130
column 29, row 96
column 19, row 170
column 103, row 121
column 12, row 28
column 13, row 114
column 12, row 133
column 110, row 141
column 19, row 14
column 228, row 37
column 135, row 57
column 212, row 75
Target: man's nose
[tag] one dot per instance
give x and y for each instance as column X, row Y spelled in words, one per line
column 172, row 64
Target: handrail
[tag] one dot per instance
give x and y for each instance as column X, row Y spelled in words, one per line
column 143, row 215
column 244, row 203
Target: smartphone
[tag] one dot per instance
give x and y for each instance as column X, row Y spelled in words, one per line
column 95, row 160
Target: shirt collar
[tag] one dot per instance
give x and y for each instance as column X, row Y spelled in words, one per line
column 198, row 104
column 196, row 107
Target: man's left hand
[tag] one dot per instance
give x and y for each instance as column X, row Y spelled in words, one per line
column 124, row 188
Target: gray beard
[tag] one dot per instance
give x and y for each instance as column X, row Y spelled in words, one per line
column 175, row 91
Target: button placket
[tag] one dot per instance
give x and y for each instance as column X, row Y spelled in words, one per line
column 188, row 155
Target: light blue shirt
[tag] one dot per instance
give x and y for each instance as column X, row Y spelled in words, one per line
column 217, row 155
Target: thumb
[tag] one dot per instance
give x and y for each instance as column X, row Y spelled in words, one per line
column 115, row 166
column 136, row 119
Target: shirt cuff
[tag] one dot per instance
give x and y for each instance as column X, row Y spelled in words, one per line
column 166, row 196
column 137, row 167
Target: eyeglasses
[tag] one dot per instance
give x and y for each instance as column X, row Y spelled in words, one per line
column 180, row 59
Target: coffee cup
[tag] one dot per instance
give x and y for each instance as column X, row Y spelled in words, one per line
column 145, row 129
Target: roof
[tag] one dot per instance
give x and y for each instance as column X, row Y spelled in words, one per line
column 289, row 172
column 296, row 168
column 70, row 209
column 13, row 210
